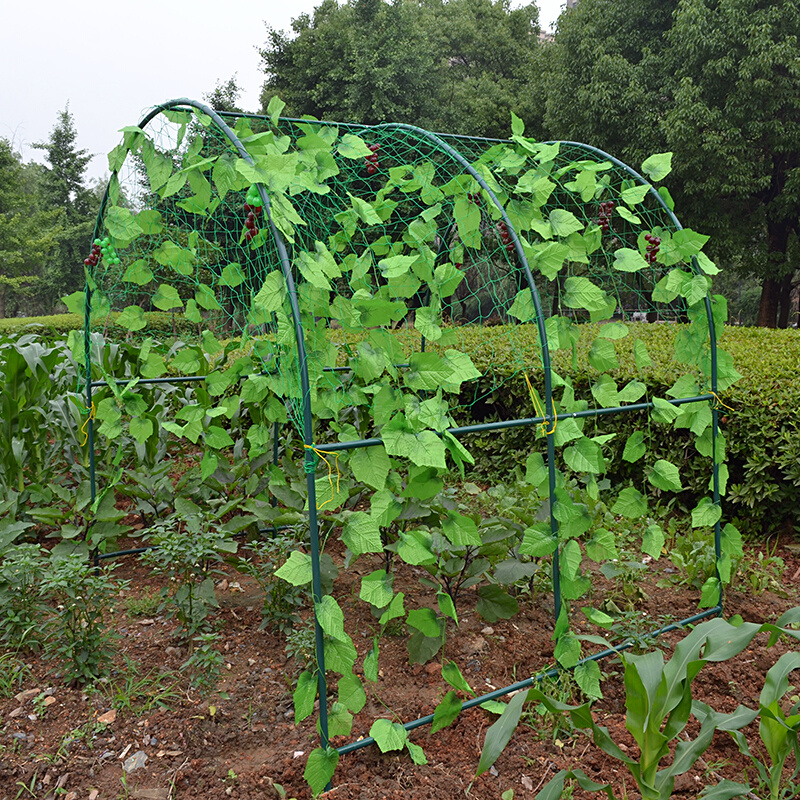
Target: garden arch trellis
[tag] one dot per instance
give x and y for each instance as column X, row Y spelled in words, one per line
column 321, row 262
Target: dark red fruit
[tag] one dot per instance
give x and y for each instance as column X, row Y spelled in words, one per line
column 371, row 169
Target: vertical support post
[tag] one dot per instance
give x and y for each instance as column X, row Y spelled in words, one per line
column 551, row 468
column 316, row 591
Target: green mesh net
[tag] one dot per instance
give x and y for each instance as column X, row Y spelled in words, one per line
column 396, row 241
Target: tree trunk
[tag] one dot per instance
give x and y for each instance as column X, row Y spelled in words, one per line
column 2, row 301
column 775, row 290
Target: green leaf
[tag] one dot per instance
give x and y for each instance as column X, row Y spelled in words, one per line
column 585, row 456
column 500, row 733
column 630, row 503
column 371, row 662
column 141, row 429
column 634, row 447
column 641, row 356
column 447, row 710
column 415, row 548
column 394, row 611
column 461, row 531
column 388, row 735
column 138, row 272
column 710, row 594
column 331, row 618
column 273, row 290
column 653, row 541
column 353, row 147
column 452, row 674
column 628, row 260
column 425, row 621
column 232, row 275
column 517, row 125
column 305, row 694
column 320, row 767
column 365, row 212
column 580, row 292
column 564, row 222
column 665, row 475
column 376, row 588
column 538, row 541
column 663, row 410
column 549, row 258
column 169, row 254
column 634, row 194
column 351, row 692
column 361, row 534
column 218, row 438
column 468, row 220
column 121, row 224
column 296, row 569
column 274, row 109
column 587, row 676
column 657, row 166
column 494, row 603
column 603, row 355
column 706, row 513
column 166, row 298
column 132, row 318
column 370, row 465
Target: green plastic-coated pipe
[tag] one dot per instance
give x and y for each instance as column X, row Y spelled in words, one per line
column 333, row 447
column 528, row 682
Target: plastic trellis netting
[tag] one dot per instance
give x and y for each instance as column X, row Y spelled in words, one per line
column 383, row 281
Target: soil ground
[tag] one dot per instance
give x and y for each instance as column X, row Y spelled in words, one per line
column 239, row 741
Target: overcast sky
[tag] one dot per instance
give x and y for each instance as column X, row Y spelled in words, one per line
column 111, row 61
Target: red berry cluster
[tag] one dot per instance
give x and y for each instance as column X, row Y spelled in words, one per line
column 652, row 247
column 505, row 237
column 604, row 219
column 372, row 159
column 250, row 221
column 474, row 198
column 102, row 248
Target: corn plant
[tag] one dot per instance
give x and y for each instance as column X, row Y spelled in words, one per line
column 779, row 736
column 658, row 706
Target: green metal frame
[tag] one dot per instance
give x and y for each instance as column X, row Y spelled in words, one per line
column 307, row 428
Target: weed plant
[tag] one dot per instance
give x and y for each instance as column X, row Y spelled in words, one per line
column 282, row 600
column 188, row 550
column 79, row 637
column 205, row 663
column 22, row 608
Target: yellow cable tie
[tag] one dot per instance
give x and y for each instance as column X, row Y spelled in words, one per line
column 85, row 425
column 720, row 404
column 330, row 472
column 539, row 410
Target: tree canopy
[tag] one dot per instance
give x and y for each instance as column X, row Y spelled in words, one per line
column 460, row 66
column 718, row 83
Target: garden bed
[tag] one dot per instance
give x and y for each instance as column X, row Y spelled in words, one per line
column 241, row 738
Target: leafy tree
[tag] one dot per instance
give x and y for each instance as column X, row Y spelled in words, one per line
column 225, row 96
column 365, row 61
column 27, row 233
column 736, row 123
column 606, row 76
column 492, row 56
column 64, row 187
column 458, row 66
column 715, row 81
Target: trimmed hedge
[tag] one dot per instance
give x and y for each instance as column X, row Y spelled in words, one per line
column 58, row 326
column 761, row 425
